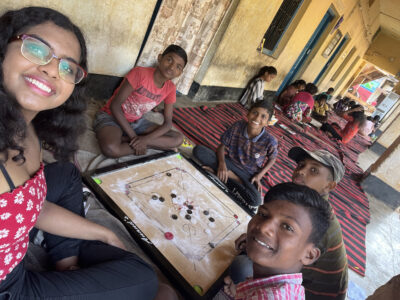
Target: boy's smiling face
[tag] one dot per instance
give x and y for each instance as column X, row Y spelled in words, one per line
column 170, row 65
column 257, row 118
column 315, row 175
column 278, row 239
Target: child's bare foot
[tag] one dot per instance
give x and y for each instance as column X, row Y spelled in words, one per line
column 230, row 287
column 67, row 264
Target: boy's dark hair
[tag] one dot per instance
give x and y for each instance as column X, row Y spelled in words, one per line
column 377, row 118
column 351, row 103
column 369, row 118
column 331, row 90
column 266, row 105
column 177, row 50
column 311, row 88
column 322, row 97
column 358, row 117
column 318, row 208
column 299, row 82
column 267, row 69
column 356, row 105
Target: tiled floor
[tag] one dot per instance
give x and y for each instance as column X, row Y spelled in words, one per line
column 382, row 242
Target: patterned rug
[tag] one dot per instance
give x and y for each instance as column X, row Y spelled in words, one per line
column 205, row 125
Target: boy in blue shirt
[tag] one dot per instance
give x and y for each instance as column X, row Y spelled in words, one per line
column 246, row 153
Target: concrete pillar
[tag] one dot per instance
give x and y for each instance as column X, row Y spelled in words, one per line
column 387, row 167
column 382, row 179
column 390, row 133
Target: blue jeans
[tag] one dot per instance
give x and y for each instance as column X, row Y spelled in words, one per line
column 247, row 190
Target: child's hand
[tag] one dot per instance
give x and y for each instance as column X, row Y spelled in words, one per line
column 230, row 287
column 257, row 180
column 113, row 240
column 139, row 145
column 222, row 172
column 240, row 243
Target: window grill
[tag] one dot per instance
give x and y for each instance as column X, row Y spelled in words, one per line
column 279, row 24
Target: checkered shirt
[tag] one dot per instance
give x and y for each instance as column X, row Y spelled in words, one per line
column 249, row 154
column 286, row 286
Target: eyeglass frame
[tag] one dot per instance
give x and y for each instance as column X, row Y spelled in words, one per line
column 23, row 36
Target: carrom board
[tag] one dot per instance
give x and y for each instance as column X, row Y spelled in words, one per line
column 182, row 218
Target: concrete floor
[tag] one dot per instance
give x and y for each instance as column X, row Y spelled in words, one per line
column 382, row 241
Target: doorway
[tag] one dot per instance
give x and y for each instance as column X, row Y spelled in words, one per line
column 322, row 26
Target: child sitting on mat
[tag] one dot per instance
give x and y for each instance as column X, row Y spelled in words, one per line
column 120, row 126
column 355, row 120
column 321, row 108
column 246, row 153
column 281, row 238
column 286, row 96
column 327, row 278
column 255, row 89
column 302, row 104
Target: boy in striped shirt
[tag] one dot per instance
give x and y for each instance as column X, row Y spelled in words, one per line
column 281, row 238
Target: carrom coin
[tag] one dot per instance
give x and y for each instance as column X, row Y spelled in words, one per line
column 168, row 235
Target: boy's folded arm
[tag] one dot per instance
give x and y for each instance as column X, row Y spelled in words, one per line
column 268, row 166
column 166, row 126
column 116, row 109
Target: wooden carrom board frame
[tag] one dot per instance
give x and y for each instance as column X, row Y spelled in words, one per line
column 153, row 197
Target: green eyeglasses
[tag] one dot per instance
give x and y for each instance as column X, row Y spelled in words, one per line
column 39, row 53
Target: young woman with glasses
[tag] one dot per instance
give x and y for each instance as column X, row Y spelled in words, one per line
column 43, row 63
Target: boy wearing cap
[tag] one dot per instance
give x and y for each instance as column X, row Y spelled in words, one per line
column 327, row 277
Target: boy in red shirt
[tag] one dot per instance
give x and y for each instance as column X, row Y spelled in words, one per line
column 355, row 119
column 119, row 126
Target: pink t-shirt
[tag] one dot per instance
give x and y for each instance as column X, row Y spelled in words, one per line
column 367, row 128
column 304, row 97
column 145, row 94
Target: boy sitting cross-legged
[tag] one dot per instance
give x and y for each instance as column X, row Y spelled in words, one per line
column 121, row 126
column 327, row 277
column 281, row 238
column 246, row 153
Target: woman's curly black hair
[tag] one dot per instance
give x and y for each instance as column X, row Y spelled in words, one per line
column 57, row 128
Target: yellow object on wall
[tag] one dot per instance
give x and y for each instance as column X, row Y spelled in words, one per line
column 113, row 29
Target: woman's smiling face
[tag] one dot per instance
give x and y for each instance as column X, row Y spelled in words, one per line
column 39, row 87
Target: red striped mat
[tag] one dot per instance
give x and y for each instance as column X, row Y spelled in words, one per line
column 205, row 125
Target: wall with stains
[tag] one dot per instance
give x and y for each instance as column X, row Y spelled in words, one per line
column 237, row 58
column 114, row 29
